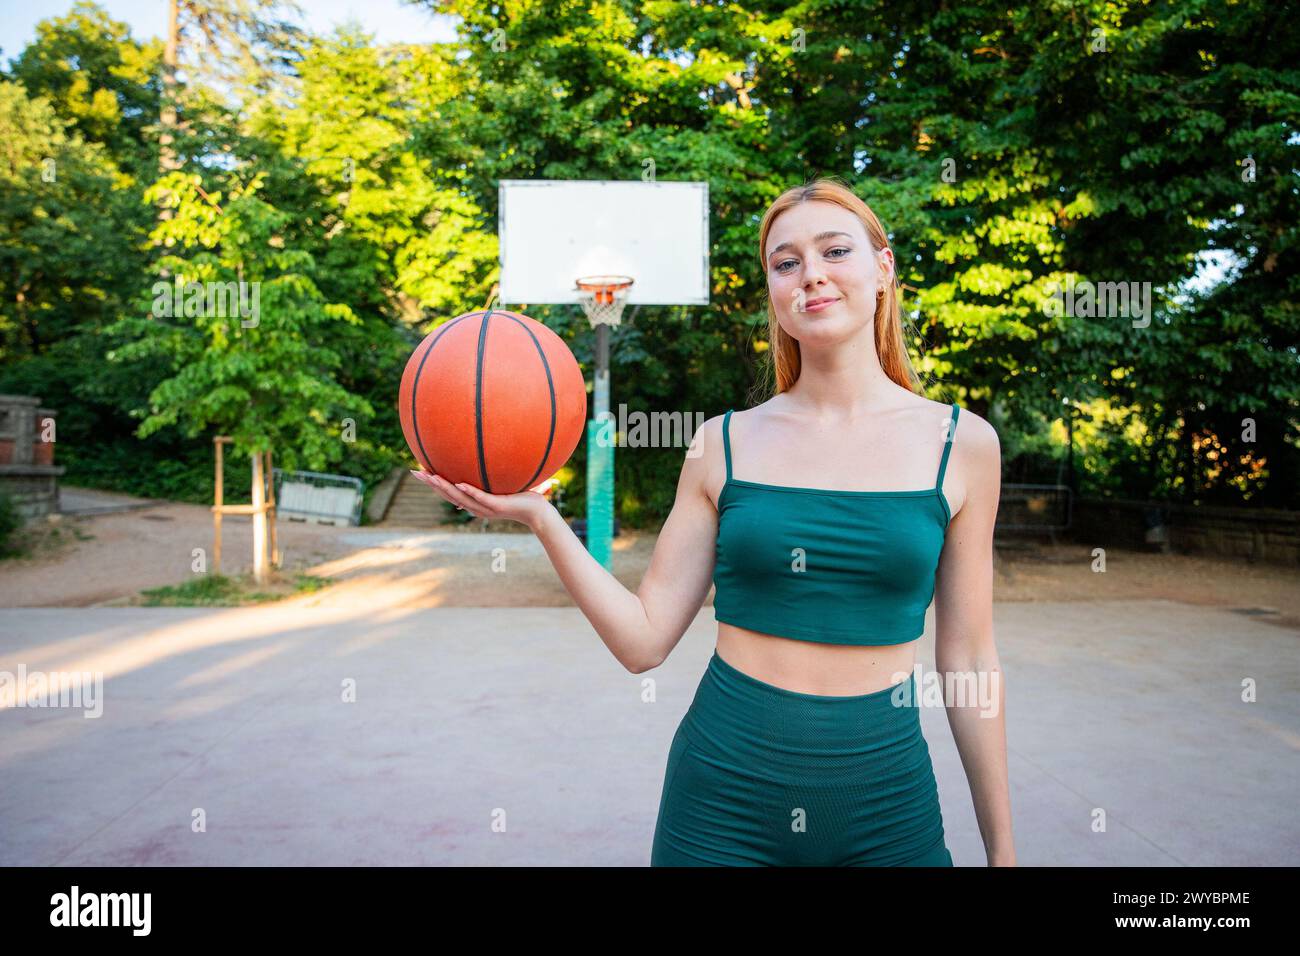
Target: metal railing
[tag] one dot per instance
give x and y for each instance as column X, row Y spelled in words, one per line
column 319, row 497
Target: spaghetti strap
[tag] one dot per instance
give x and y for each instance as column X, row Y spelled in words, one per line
column 726, row 440
column 947, row 447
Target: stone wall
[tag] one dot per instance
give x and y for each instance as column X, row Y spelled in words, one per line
column 28, row 474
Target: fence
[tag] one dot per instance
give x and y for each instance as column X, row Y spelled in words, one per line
column 1035, row 508
column 322, row 498
column 1268, row 535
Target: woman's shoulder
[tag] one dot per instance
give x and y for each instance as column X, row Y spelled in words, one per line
column 776, row 405
column 972, row 427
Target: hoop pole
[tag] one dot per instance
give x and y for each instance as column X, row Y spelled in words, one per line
column 600, row 460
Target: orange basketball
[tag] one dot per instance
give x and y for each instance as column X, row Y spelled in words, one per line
column 494, row 399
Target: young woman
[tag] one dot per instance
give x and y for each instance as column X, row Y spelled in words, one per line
column 828, row 517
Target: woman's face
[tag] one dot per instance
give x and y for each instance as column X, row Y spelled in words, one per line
column 820, row 251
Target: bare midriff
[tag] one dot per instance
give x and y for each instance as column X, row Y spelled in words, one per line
column 807, row 667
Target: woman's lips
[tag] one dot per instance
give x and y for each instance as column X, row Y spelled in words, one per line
column 819, row 306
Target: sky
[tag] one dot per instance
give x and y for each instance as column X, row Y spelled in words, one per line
column 389, row 20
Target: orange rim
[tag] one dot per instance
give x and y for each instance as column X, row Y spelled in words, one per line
column 604, row 286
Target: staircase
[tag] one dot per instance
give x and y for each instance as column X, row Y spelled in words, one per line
column 414, row 505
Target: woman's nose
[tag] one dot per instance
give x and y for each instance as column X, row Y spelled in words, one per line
column 813, row 275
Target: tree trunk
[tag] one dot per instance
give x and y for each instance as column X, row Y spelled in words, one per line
column 259, row 521
column 167, row 160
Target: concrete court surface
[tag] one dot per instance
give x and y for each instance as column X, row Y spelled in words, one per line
column 466, row 716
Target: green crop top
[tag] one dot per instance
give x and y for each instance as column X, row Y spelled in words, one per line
column 835, row 567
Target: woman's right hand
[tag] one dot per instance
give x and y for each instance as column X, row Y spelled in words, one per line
column 526, row 507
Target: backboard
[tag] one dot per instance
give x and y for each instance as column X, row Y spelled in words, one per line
column 554, row 231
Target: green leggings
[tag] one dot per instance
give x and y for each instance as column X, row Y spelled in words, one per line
column 758, row 775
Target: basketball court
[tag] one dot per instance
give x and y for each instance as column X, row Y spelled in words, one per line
column 467, row 717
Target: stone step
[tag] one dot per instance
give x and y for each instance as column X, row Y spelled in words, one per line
column 431, row 503
column 429, row 509
column 415, row 504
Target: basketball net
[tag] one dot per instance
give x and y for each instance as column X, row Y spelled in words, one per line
column 603, row 298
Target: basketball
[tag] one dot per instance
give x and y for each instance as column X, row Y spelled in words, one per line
column 493, row 399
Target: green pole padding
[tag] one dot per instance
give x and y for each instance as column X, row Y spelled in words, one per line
column 600, row 490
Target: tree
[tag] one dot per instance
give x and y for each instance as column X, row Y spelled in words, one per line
column 69, row 225
column 262, row 373
column 98, row 78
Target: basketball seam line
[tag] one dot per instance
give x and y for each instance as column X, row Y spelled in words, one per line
column 550, row 387
column 478, row 402
column 415, row 387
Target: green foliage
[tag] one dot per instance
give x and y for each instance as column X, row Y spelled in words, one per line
column 260, row 372
column 98, row 78
column 10, row 522
column 68, row 228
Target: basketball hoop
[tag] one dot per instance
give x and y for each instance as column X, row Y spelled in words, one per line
column 603, row 298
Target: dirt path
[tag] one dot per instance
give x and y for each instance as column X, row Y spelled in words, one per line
column 91, row 559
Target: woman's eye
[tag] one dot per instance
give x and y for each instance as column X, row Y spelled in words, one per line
column 780, row 266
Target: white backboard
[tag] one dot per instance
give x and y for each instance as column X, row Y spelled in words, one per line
column 552, row 231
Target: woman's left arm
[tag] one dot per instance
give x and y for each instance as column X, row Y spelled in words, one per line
column 965, row 654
